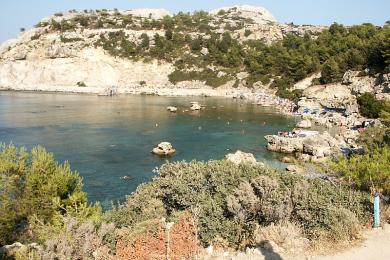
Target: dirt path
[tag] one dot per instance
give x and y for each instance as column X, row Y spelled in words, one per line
column 375, row 247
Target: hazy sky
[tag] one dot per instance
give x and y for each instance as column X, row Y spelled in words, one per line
column 15, row 14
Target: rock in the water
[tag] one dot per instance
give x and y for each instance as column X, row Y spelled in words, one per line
column 172, row 109
column 164, row 149
column 195, row 106
column 304, row 124
column 241, row 158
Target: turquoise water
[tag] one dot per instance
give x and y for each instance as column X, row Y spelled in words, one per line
column 105, row 138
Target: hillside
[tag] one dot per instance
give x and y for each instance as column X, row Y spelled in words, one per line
column 126, row 48
column 146, row 50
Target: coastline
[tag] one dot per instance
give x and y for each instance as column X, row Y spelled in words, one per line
column 281, row 106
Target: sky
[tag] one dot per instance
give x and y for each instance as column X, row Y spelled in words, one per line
column 16, row 14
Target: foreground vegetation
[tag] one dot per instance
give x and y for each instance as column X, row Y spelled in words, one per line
column 35, row 193
column 369, row 171
column 229, row 205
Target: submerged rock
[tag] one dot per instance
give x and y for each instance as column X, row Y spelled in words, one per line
column 164, row 149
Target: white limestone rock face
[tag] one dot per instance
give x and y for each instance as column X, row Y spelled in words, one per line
column 92, row 66
column 258, row 14
column 149, row 13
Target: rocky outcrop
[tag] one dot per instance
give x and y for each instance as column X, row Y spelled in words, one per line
column 316, row 147
column 330, row 96
column 240, row 157
column 148, row 13
column 306, row 123
column 256, row 14
column 164, row 149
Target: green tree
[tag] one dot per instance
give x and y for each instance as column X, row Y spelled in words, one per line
column 35, row 188
column 145, row 41
column 330, row 72
column 169, row 35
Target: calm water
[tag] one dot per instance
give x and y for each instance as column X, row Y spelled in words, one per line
column 105, row 138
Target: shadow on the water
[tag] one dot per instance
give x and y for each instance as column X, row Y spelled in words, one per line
column 268, row 252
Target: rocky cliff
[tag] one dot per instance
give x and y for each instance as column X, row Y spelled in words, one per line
column 63, row 50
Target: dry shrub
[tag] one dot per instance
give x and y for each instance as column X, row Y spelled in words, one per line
column 184, row 243
column 80, row 241
column 151, row 240
column 148, row 243
column 285, row 235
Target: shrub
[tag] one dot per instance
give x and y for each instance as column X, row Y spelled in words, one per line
column 231, row 201
column 369, row 172
column 375, row 137
column 35, row 37
column 145, row 41
column 81, row 241
column 247, row 32
column 156, row 239
column 81, row 84
column 369, row 106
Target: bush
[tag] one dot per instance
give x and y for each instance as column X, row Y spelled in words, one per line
column 375, row 137
column 247, row 32
column 230, row 201
column 369, row 106
column 81, row 241
column 81, row 84
column 145, row 41
column 369, row 172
